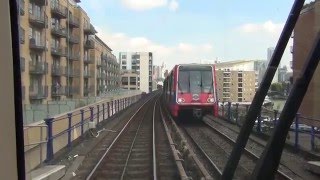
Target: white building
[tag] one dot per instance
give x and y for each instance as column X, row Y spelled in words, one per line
column 139, row 63
column 270, row 52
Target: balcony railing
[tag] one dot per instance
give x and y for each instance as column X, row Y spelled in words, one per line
column 22, row 35
column 73, row 22
column 89, row 29
column 102, row 64
column 88, row 59
column 71, row 90
column 72, row 72
column 89, row 44
column 88, row 89
column 40, row 92
column 87, row 74
column 39, row 2
column 74, row 56
column 57, row 10
column 57, row 70
column 22, row 64
column 59, row 51
column 21, row 7
column 101, row 75
column 59, row 31
column 36, row 44
column 57, row 90
column 38, row 20
column 73, row 39
column 38, row 68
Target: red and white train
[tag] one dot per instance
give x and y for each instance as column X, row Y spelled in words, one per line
column 191, row 88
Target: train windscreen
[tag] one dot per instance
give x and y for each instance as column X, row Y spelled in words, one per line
column 195, row 80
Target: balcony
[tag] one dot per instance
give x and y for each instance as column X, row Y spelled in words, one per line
column 89, row 29
column 37, row 45
column 88, row 59
column 101, row 64
column 21, row 7
column 22, row 64
column 70, row 90
column 22, row 35
column 87, row 74
column 88, row 89
column 74, row 56
column 73, row 39
column 58, row 91
column 36, row 93
column 57, row 70
column 89, row 44
column 58, row 51
column 39, row 2
column 59, row 11
column 101, row 76
column 38, row 68
column 38, row 20
column 59, row 31
column 73, row 22
column 72, row 72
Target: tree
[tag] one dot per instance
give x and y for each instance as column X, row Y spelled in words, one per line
column 277, row 87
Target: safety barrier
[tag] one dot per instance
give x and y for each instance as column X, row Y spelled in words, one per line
column 62, row 130
column 267, row 119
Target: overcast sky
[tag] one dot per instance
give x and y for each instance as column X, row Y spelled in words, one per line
column 189, row 31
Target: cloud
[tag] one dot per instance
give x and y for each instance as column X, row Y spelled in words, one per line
column 266, row 27
column 140, row 5
column 173, row 5
column 182, row 52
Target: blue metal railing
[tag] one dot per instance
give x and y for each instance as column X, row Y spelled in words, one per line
column 95, row 112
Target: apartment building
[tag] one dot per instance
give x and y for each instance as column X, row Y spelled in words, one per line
column 139, row 63
column 235, row 85
column 60, row 54
column 305, row 32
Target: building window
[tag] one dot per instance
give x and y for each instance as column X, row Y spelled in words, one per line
column 124, row 57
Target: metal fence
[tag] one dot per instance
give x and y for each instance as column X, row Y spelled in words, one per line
column 267, row 120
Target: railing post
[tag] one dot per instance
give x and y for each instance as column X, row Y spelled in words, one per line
column 296, row 130
column 98, row 114
column 247, row 108
column 118, row 105
column 69, row 130
column 229, row 111
column 312, row 138
column 222, row 109
column 111, row 108
column 108, row 109
column 48, row 122
column 82, row 120
column 237, row 113
column 91, row 114
column 259, row 122
column 103, row 112
column 275, row 118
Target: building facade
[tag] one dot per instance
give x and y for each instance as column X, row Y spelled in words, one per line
column 59, row 52
column 235, row 85
column 270, row 52
column 305, row 32
column 139, row 63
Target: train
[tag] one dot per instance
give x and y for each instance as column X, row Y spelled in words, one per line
column 191, row 88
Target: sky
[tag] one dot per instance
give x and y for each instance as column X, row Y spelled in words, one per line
column 189, row 31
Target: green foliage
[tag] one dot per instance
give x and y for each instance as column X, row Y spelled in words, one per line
column 277, row 87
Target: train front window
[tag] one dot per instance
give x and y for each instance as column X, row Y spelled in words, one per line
column 195, row 81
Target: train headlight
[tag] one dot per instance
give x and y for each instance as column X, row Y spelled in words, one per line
column 180, row 100
column 210, row 100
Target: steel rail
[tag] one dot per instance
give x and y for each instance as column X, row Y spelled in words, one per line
column 116, row 139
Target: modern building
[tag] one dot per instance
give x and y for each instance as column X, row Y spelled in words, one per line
column 270, row 52
column 305, row 33
column 258, row 66
column 60, row 52
column 282, row 74
column 139, row 63
column 235, row 85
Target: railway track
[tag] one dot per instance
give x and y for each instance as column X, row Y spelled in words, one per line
column 142, row 150
column 290, row 167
